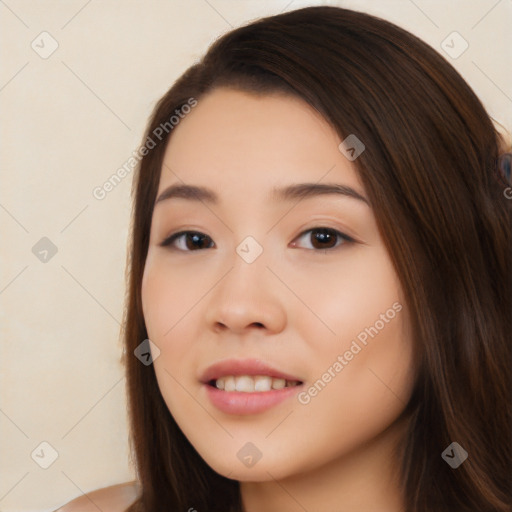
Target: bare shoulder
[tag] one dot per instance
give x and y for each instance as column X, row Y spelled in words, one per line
column 116, row 498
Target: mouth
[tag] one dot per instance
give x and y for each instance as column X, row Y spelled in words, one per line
column 247, row 386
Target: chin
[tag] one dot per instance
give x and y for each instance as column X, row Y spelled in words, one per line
column 260, row 472
column 240, row 461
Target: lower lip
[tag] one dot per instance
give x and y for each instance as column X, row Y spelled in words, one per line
column 237, row 402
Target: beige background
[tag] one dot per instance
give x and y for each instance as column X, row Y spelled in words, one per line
column 69, row 122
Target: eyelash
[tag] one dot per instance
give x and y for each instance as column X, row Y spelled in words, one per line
column 175, row 236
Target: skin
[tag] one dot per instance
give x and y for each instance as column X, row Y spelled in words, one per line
column 298, row 306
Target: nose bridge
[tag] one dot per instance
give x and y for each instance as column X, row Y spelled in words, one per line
column 252, row 251
column 245, row 296
column 248, row 275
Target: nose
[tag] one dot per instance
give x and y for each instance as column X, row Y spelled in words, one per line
column 247, row 298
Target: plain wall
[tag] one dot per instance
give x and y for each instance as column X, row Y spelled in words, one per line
column 69, row 121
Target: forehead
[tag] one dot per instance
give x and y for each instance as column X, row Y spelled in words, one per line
column 238, row 141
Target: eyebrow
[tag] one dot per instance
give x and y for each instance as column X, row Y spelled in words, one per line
column 288, row 193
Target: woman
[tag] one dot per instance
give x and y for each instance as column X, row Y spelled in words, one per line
column 320, row 256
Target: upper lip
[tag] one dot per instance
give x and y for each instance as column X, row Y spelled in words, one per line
column 235, row 367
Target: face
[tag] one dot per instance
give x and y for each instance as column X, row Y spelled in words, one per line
column 283, row 337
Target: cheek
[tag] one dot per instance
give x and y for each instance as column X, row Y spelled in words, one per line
column 361, row 378
column 344, row 298
column 167, row 296
column 364, row 398
column 162, row 306
column 168, row 301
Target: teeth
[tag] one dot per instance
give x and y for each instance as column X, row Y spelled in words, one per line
column 278, row 383
column 244, row 383
column 229, row 384
column 262, row 383
column 250, row 384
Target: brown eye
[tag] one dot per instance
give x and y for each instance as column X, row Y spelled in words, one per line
column 190, row 241
column 325, row 238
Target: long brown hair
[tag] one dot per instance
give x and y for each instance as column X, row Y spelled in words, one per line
column 431, row 174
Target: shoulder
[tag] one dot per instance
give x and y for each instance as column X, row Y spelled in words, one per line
column 116, row 498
